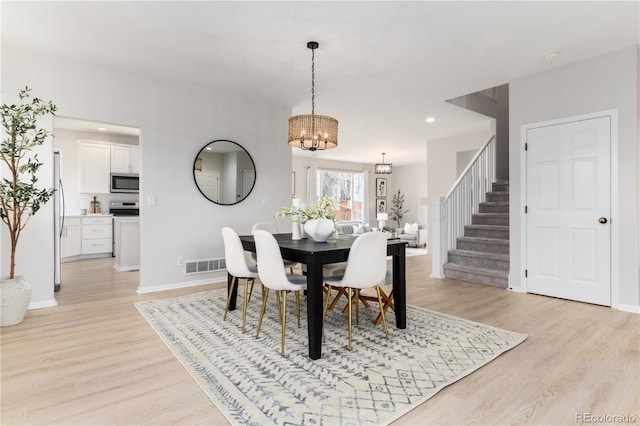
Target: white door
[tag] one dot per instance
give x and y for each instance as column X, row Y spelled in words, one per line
column 248, row 179
column 209, row 184
column 568, row 202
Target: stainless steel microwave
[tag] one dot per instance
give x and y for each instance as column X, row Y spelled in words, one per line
column 121, row 182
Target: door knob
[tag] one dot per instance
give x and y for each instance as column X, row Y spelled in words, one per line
column 602, row 220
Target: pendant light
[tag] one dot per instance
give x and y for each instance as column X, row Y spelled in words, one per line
column 383, row 168
column 311, row 132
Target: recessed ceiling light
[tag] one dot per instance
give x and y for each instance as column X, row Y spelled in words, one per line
column 102, row 129
column 431, row 119
column 551, row 55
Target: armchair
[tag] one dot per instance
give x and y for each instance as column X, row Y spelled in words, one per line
column 414, row 234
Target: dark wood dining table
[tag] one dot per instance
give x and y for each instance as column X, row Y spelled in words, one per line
column 315, row 255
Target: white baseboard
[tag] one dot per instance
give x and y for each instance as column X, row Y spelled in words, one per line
column 175, row 286
column 629, row 308
column 46, row 304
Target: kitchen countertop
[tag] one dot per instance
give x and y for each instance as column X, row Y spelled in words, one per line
column 89, row 215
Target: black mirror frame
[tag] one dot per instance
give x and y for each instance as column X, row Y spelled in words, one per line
column 255, row 178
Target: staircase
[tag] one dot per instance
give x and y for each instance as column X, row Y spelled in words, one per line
column 482, row 254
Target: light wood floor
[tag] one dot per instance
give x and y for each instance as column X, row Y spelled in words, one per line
column 94, row 360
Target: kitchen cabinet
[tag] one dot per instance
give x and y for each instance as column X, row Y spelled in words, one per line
column 71, row 238
column 125, row 159
column 127, row 247
column 97, row 234
column 94, row 163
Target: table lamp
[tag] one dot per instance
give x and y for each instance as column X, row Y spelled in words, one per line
column 381, row 218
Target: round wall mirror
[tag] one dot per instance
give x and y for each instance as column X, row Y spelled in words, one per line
column 224, row 172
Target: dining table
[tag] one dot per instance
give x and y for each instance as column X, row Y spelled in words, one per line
column 317, row 254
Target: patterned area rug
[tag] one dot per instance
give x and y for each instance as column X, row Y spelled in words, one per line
column 379, row 381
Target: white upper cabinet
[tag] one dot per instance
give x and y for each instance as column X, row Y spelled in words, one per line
column 125, row 159
column 94, row 168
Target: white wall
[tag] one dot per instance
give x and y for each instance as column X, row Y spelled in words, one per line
column 175, row 122
column 606, row 82
column 441, row 167
column 412, row 181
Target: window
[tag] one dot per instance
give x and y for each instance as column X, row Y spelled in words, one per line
column 349, row 187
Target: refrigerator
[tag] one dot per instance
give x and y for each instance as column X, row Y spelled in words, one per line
column 58, row 217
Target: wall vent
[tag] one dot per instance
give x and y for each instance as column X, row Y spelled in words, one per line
column 204, row 265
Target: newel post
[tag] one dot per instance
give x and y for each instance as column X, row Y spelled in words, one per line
column 439, row 242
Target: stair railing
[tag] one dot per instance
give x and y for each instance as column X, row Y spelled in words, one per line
column 451, row 213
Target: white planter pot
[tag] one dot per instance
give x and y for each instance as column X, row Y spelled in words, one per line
column 296, row 231
column 319, row 229
column 15, row 295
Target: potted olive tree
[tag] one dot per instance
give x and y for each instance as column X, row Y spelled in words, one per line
column 397, row 208
column 20, row 196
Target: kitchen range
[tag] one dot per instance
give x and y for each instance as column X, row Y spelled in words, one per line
column 126, row 235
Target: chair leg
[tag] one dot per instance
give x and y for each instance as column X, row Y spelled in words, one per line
column 341, row 292
column 357, row 294
column 226, row 309
column 284, row 319
column 384, row 320
column 298, row 306
column 349, row 332
column 360, row 298
column 265, row 296
column 324, row 311
column 253, row 281
column 244, row 305
column 387, row 303
column 279, row 304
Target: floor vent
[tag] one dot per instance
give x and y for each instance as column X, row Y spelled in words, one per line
column 205, row 265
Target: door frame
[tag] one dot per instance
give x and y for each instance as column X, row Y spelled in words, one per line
column 615, row 229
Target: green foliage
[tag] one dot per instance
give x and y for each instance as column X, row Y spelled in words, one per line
column 397, row 208
column 20, row 198
column 324, row 209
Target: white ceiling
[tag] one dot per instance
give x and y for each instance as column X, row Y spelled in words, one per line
column 381, row 69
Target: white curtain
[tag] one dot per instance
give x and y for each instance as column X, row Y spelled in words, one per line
column 367, row 199
column 312, row 185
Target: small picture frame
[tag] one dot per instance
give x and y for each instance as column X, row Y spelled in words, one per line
column 381, row 205
column 381, row 187
column 293, row 184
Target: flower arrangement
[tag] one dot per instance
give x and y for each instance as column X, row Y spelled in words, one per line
column 324, row 209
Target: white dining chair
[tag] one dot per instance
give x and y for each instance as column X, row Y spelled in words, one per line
column 273, row 276
column 238, row 269
column 366, row 268
column 273, row 229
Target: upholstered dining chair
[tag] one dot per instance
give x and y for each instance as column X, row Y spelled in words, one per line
column 366, row 268
column 238, row 269
column 272, row 228
column 273, row 276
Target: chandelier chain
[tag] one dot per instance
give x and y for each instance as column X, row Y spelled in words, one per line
column 313, row 79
